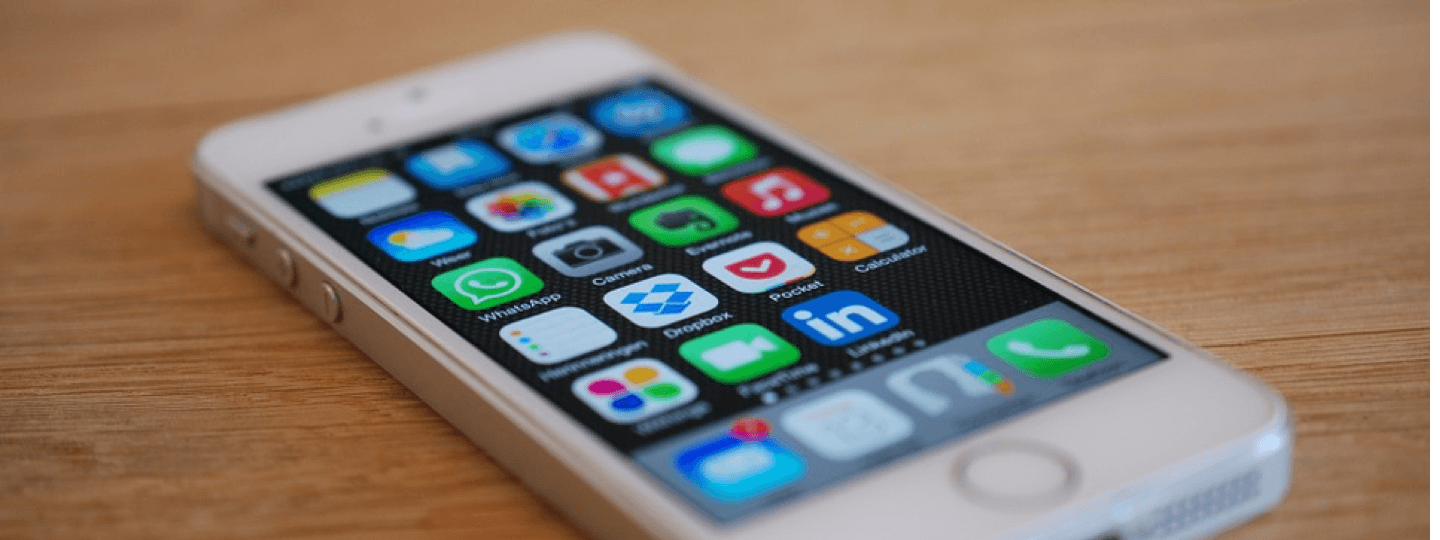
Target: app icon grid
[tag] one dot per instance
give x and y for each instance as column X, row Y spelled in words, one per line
column 928, row 289
column 674, row 259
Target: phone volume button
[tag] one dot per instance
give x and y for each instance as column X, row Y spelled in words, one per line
column 285, row 268
column 241, row 229
column 333, row 311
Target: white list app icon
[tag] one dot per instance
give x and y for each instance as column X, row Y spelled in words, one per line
column 758, row 267
column 558, row 335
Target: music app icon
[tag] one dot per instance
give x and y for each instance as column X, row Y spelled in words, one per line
column 775, row 192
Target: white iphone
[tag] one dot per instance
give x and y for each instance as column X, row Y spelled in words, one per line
column 676, row 320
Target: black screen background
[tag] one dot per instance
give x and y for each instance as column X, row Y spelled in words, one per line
column 945, row 292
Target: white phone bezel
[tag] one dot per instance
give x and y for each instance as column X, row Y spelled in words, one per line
column 238, row 159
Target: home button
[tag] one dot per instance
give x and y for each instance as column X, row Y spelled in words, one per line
column 1016, row 474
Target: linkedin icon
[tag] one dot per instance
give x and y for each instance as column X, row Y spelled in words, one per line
column 841, row 318
column 587, row 251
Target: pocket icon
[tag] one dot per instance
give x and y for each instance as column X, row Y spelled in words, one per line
column 758, row 267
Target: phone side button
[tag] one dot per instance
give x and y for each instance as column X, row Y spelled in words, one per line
column 1017, row 475
column 333, row 312
column 241, row 229
column 285, row 268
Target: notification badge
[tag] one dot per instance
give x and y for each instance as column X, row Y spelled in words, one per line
column 742, row 463
column 775, row 192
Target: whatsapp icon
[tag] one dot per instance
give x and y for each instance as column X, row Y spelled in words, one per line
column 487, row 283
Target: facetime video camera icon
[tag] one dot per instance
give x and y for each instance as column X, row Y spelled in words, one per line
column 739, row 353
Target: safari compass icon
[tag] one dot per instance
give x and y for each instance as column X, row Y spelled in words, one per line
column 487, row 283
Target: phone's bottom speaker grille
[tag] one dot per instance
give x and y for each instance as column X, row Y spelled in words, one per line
column 1195, row 509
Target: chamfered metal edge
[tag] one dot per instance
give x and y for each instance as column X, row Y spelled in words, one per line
column 851, row 173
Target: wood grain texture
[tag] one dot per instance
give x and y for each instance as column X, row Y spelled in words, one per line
column 1248, row 173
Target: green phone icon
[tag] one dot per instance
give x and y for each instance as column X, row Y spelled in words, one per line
column 1048, row 348
column 739, row 353
column 683, row 221
column 487, row 283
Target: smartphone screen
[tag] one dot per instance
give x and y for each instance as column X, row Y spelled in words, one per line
column 746, row 325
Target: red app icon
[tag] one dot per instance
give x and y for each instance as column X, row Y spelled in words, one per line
column 762, row 266
column 758, row 267
column 750, row 429
column 614, row 177
column 776, row 191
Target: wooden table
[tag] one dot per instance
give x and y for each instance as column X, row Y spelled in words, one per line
column 1250, row 174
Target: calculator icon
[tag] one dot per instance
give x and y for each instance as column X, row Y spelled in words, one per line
column 853, row 236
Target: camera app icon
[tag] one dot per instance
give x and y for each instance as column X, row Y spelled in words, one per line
column 587, row 251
